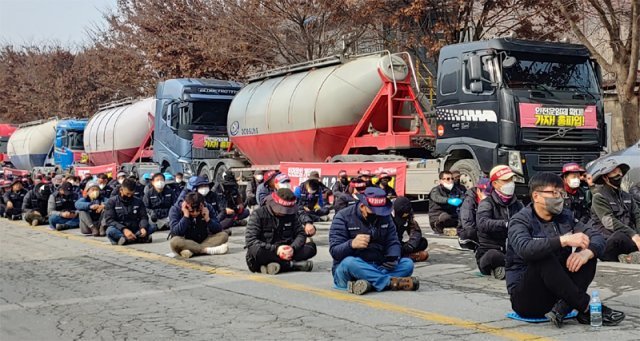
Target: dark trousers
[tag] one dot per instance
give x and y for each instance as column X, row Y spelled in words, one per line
column 407, row 249
column 228, row 220
column 31, row 216
column 489, row 260
column 439, row 222
column 87, row 220
column 258, row 256
column 618, row 243
column 547, row 281
column 9, row 213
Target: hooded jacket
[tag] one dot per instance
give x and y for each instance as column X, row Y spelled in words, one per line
column 492, row 218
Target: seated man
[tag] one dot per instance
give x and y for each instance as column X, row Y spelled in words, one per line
column 35, row 204
column 91, row 211
column 365, row 248
column 126, row 217
column 365, row 175
column 468, row 230
column 267, row 187
column 616, row 216
column 62, row 209
column 492, row 219
column 194, row 230
column 158, row 200
column 103, row 183
column 416, row 247
column 252, row 190
column 384, row 180
column 551, row 259
column 13, row 200
column 342, row 183
column 444, row 201
column 232, row 210
column 577, row 199
column 311, row 200
column 343, row 200
column 275, row 239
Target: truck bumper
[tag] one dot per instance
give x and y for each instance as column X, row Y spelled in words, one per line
column 550, row 161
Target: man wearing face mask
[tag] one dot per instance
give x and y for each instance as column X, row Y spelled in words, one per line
column 616, row 215
column 384, row 180
column 365, row 248
column 158, row 200
column 416, row 247
column 551, row 258
column 35, row 204
column 365, row 175
column 267, row 187
column 468, row 230
column 194, row 230
column 343, row 200
column 13, row 199
column 456, row 180
column 62, row 210
column 311, row 201
column 492, row 219
column 91, row 211
column 444, row 201
column 577, row 200
column 342, row 184
column 232, row 210
column 179, row 184
column 126, row 217
column 275, row 239
column 252, row 190
column 103, row 183
column 115, row 183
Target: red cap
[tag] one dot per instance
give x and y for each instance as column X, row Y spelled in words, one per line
column 501, row 172
column 572, row 167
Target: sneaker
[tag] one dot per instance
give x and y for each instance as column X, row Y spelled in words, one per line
column 499, row 273
column 558, row 312
column 419, row 256
column 16, row 217
column 610, row 317
column 34, row 222
column 61, row 227
column 94, row 231
column 217, row 250
column 102, row 231
column 404, row 283
column 147, row 240
column 270, row 269
column 467, row 244
column 359, row 287
column 186, row 254
column 632, row 258
column 305, row 265
column 122, row 241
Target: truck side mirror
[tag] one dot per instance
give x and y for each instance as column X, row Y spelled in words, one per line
column 475, row 68
column 509, row 62
column 476, row 87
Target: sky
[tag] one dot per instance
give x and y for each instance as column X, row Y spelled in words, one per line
column 38, row 22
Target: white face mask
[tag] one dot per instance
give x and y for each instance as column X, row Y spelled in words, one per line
column 178, row 180
column 203, row 190
column 158, row 185
column 285, row 185
column 508, row 188
column 120, row 181
column 259, row 177
column 448, row 186
column 101, row 186
column 574, row 183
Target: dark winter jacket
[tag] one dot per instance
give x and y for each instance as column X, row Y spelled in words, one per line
column 438, row 198
column 531, row 239
column 59, row 203
column 342, row 201
column 492, row 218
column 159, row 203
column 16, row 198
column 340, row 187
column 37, row 201
column 412, row 229
column 85, row 203
column 615, row 210
column 468, row 229
column 579, row 203
column 383, row 246
column 269, row 231
column 195, row 229
column 131, row 215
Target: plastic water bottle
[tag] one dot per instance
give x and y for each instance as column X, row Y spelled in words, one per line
column 595, row 310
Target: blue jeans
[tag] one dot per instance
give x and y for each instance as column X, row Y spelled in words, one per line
column 355, row 268
column 56, row 219
column 114, row 234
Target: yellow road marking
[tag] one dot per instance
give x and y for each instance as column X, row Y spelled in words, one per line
column 330, row 294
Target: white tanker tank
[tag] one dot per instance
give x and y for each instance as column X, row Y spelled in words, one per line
column 30, row 145
column 116, row 131
column 306, row 113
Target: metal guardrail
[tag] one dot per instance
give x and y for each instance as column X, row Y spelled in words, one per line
column 116, row 103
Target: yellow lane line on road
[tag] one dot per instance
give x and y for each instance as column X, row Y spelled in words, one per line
column 330, row 294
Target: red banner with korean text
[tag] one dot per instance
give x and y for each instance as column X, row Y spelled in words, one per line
column 534, row 115
column 299, row 171
column 14, row 172
column 109, row 169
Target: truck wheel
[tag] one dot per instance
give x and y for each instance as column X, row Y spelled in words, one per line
column 469, row 171
column 219, row 173
column 204, row 172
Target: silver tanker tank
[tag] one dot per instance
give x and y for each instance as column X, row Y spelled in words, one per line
column 306, row 113
column 115, row 132
column 30, row 145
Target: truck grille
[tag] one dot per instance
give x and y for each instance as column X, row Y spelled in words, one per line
column 201, row 153
column 551, row 136
column 546, row 159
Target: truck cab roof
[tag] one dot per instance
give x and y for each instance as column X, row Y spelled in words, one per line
column 172, row 88
column 516, row 45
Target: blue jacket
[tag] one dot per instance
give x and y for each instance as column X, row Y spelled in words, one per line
column 193, row 229
column 529, row 241
column 383, row 246
column 263, row 192
column 84, row 203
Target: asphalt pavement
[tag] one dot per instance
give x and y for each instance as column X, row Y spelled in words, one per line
column 65, row 286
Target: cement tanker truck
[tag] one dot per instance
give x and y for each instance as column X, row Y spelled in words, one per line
column 528, row 104
column 5, row 132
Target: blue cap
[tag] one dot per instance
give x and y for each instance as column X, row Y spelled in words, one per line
column 168, row 176
column 196, row 181
column 376, row 199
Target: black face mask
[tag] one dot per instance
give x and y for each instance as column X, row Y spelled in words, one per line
column 616, row 180
column 125, row 199
column 384, row 181
column 344, row 180
column 371, row 218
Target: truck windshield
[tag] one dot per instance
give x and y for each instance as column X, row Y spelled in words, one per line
column 551, row 73
column 209, row 113
column 75, row 140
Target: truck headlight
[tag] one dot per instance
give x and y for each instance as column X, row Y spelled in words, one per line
column 186, row 168
column 514, row 162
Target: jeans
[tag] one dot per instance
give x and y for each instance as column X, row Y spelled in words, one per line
column 355, row 268
column 56, row 219
column 114, row 234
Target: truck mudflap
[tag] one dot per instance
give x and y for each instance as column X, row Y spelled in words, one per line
column 299, row 172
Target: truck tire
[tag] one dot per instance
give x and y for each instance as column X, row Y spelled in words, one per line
column 469, row 170
column 219, row 173
column 204, row 172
